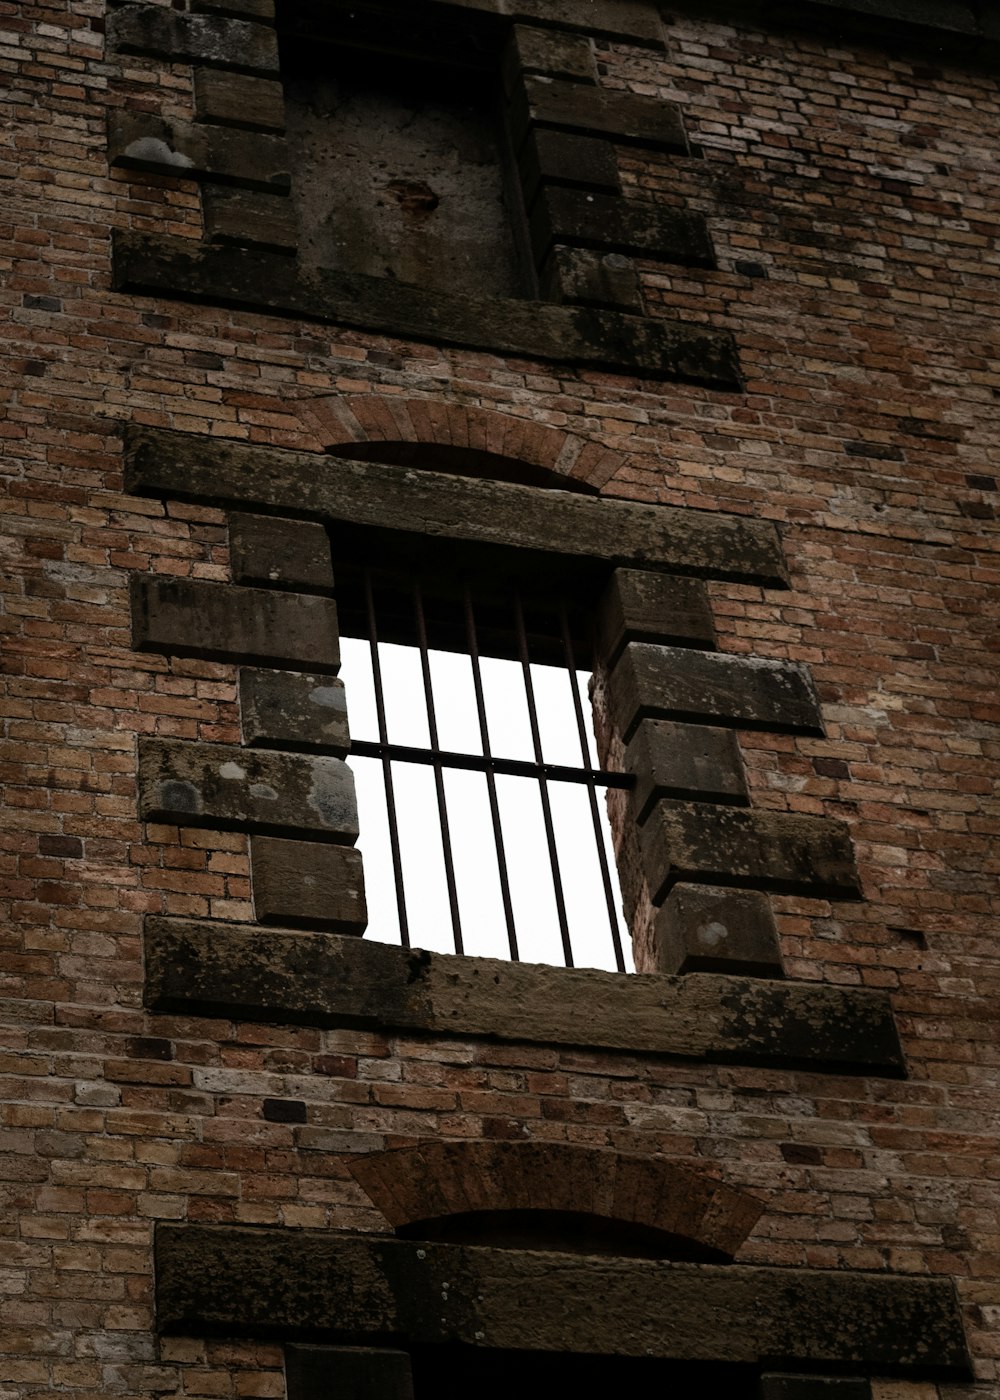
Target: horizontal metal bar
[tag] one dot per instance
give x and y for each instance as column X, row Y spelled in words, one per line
column 518, row 768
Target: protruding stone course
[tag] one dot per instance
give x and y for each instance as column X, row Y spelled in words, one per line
column 663, row 682
column 225, row 42
column 195, row 617
column 242, row 970
column 293, row 710
column 302, row 884
column 641, row 605
column 301, row 1283
column 140, row 141
column 349, row 1373
column 272, row 552
column 684, row 761
column 701, row 928
column 781, row 851
column 224, row 786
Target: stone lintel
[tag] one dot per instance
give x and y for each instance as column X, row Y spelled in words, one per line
column 640, row 605
column 663, row 682
column 269, row 282
column 702, row 928
column 273, row 552
column 302, row 884
column 244, row 971
column 303, row 1284
column 560, row 526
column 224, row 786
column 293, row 710
column 223, row 622
column 218, row 40
column 786, row 852
column 196, row 151
column 693, row 761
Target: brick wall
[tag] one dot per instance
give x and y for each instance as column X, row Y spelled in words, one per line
column 853, row 198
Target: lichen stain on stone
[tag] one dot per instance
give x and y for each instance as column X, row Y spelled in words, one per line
column 328, row 697
column 152, row 149
column 176, row 795
column 232, row 772
column 262, row 791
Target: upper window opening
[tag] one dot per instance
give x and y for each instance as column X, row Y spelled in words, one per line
column 481, row 801
column 400, row 169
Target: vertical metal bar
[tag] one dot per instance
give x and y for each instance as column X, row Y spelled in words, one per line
column 581, row 725
column 449, row 863
column 491, row 786
column 543, row 787
column 383, row 735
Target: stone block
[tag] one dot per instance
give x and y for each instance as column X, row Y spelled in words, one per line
column 664, row 682
column 293, row 710
column 641, row 605
column 262, row 10
column 249, row 218
column 701, row 928
column 588, row 162
column 280, row 553
column 195, row 617
column 224, row 786
column 140, row 141
column 562, row 526
column 695, row 761
column 586, row 277
column 781, row 851
column 578, row 217
column 349, row 1373
column 221, row 1279
column 269, row 281
column 224, row 42
column 238, row 99
column 303, row 884
column 210, row 968
column 635, row 21
column 623, row 116
column 549, row 51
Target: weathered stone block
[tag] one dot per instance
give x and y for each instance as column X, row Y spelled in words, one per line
column 270, row 550
column 549, row 51
column 262, row 10
column 193, row 38
column 220, row 1279
column 140, row 141
column 684, row 760
column 606, row 221
column 662, row 682
column 222, row 785
column 560, row 525
column 782, row 851
column 238, row 99
column 349, row 1373
column 701, row 928
column 293, row 710
column 586, row 277
column 636, row 21
column 249, row 218
column 194, row 617
column 640, row 605
column 217, row 969
column 268, row 281
column 585, row 161
column 302, row 884
column 597, row 111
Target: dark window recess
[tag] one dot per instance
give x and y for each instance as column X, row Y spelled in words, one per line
column 482, row 806
column 399, row 155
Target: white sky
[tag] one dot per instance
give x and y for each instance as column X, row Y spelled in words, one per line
column 480, row 905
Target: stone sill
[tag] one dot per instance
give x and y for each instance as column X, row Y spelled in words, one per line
column 243, row 971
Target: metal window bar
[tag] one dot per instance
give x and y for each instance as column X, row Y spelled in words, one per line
column 491, row 766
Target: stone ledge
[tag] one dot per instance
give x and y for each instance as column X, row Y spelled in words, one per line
column 559, row 526
column 200, row 967
column 264, row 281
column 303, row 1284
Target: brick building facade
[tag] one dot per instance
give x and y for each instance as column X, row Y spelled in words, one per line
column 697, row 328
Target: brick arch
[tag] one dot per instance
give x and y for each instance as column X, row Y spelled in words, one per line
column 394, row 427
column 432, row 1181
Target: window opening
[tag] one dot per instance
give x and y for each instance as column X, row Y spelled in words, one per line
column 478, row 782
